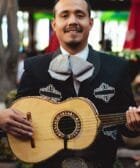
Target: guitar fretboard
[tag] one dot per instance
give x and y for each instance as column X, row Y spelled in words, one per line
column 112, row 119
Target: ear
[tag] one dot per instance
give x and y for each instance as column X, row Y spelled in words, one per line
column 91, row 22
column 53, row 24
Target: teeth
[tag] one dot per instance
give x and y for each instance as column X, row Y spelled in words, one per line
column 72, row 30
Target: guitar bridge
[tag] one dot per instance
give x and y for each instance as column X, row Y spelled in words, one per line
column 29, row 118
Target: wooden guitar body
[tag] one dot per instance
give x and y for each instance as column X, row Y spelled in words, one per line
column 71, row 124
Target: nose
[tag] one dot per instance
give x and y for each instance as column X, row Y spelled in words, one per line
column 72, row 20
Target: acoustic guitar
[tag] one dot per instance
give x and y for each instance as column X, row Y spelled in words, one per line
column 71, row 124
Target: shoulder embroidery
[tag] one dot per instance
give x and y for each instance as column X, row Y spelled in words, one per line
column 104, row 92
column 50, row 92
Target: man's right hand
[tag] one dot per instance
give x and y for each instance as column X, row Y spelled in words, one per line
column 15, row 123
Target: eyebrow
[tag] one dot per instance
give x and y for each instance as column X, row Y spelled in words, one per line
column 76, row 11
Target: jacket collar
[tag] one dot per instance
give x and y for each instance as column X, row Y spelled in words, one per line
column 94, row 58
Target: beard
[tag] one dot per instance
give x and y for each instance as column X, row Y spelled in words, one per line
column 73, row 44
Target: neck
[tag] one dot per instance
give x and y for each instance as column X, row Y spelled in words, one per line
column 73, row 49
column 113, row 119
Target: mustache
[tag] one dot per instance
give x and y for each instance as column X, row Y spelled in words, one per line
column 73, row 28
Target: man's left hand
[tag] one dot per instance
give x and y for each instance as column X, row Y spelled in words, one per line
column 133, row 118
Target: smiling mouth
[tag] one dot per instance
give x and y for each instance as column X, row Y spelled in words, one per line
column 73, row 29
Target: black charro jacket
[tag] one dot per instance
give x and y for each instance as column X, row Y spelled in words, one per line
column 109, row 89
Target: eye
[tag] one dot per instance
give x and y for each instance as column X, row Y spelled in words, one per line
column 80, row 15
column 64, row 15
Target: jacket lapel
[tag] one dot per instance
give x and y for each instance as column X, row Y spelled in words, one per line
column 94, row 58
column 57, row 52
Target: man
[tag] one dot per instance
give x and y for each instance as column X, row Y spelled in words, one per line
column 77, row 70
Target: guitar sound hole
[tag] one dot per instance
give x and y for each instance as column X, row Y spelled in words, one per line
column 66, row 125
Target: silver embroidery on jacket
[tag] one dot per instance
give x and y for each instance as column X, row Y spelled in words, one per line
column 110, row 131
column 104, row 92
column 51, row 93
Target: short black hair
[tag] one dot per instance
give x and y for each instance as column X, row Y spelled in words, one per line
column 87, row 1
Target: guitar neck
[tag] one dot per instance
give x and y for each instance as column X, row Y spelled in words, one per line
column 112, row 119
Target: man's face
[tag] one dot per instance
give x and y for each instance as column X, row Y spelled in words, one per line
column 72, row 23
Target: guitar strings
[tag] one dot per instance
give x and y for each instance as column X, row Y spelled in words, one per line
column 109, row 119
column 91, row 125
